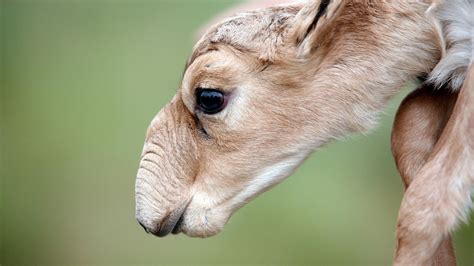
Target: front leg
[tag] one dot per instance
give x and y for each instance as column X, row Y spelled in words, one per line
column 439, row 196
column 434, row 204
column 418, row 125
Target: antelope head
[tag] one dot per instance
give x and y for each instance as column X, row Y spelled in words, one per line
column 264, row 89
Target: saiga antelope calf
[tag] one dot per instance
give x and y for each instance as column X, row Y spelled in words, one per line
column 264, row 89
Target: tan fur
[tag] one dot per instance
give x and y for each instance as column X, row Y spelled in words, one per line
column 419, row 122
column 439, row 197
column 293, row 84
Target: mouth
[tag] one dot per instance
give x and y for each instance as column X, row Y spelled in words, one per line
column 173, row 223
column 177, row 227
column 170, row 223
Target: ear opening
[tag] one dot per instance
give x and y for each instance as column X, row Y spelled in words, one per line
column 323, row 6
column 311, row 22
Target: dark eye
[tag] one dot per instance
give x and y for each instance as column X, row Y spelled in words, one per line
column 210, row 101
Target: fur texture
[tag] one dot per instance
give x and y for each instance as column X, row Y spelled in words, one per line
column 438, row 197
column 419, row 123
column 295, row 80
column 457, row 22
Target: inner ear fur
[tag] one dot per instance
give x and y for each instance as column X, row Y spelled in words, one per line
column 311, row 23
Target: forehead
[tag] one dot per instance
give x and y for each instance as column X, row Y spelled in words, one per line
column 251, row 32
column 213, row 59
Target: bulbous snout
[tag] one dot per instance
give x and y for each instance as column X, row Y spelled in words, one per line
column 167, row 170
column 160, row 202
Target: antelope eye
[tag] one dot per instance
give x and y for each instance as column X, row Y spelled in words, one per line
column 210, row 101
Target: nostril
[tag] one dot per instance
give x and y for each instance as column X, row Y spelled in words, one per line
column 144, row 227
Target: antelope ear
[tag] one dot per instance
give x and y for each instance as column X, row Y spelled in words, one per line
column 311, row 23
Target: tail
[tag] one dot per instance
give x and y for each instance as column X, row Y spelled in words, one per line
column 455, row 20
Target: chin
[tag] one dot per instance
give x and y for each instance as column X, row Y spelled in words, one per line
column 200, row 232
column 203, row 223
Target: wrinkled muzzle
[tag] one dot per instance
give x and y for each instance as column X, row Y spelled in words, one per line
column 167, row 170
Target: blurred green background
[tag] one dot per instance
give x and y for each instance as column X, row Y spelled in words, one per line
column 80, row 81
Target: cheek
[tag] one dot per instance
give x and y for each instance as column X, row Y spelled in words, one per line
column 211, row 189
column 215, row 200
column 234, row 116
column 221, row 178
column 238, row 110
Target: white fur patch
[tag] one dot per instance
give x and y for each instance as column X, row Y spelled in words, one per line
column 267, row 178
column 457, row 21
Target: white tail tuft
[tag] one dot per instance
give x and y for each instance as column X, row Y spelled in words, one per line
column 457, row 21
